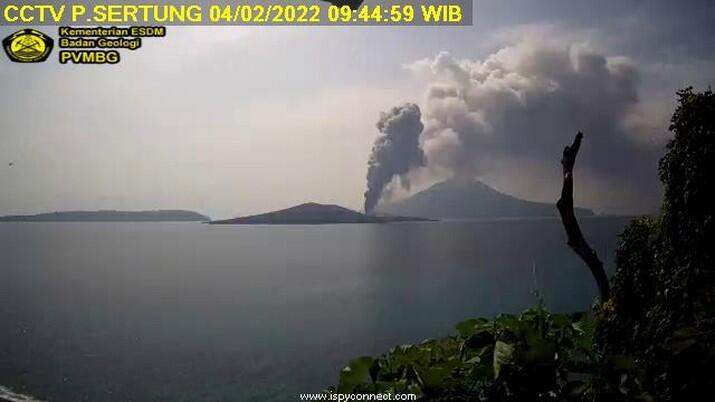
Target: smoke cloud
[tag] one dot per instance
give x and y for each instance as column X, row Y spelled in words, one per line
column 514, row 112
column 396, row 151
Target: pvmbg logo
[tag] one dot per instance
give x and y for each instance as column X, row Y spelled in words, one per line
column 28, row 46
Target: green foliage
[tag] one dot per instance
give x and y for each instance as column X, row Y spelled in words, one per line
column 663, row 305
column 623, row 320
column 687, row 225
column 534, row 356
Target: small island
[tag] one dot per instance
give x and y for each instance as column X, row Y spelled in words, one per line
column 110, row 216
column 314, row 214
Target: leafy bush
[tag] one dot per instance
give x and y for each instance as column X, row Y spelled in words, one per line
column 663, row 305
column 534, row 356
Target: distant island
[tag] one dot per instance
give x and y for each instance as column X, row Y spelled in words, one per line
column 110, row 216
column 462, row 198
column 313, row 214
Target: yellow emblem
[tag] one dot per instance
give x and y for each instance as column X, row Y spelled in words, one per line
column 27, row 46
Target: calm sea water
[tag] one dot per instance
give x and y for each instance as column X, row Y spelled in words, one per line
column 188, row 312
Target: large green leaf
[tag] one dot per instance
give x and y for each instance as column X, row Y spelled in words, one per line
column 435, row 376
column 503, row 354
column 355, row 373
column 470, row 327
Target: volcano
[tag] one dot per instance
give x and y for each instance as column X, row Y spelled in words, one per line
column 469, row 199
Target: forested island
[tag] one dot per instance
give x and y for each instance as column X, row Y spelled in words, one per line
column 314, row 214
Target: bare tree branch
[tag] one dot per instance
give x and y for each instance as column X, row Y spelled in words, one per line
column 575, row 238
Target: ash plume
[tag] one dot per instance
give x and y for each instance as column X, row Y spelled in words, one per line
column 508, row 116
column 396, row 151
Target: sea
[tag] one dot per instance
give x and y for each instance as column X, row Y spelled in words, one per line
column 194, row 312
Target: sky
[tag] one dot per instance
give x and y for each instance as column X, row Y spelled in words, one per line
column 230, row 121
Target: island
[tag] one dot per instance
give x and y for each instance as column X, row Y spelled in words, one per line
column 314, row 214
column 466, row 198
column 110, row 216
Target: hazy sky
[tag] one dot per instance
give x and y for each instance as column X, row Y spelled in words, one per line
column 236, row 120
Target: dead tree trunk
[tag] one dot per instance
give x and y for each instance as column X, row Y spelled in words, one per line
column 575, row 238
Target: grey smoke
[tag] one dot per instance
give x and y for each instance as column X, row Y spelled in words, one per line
column 396, row 151
column 512, row 113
